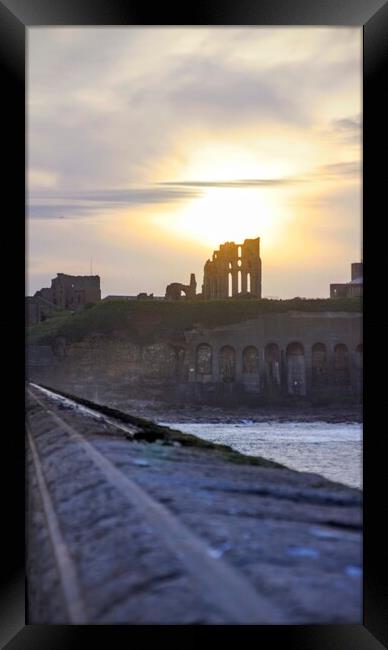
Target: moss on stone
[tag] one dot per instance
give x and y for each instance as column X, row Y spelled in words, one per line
column 149, row 431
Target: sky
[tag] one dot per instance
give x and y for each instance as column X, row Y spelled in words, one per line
column 148, row 147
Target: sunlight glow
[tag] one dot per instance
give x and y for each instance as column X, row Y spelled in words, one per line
column 220, row 161
column 227, row 214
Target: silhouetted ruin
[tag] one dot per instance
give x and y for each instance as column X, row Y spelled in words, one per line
column 175, row 289
column 259, row 358
column 235, row 269
column 66, row 292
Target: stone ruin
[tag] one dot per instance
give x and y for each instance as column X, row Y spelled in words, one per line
column 234, row 270
column 175, row 289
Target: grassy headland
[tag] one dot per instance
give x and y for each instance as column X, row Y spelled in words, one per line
column 146, row 321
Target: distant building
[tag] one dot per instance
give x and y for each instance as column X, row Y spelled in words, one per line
column 66, row 292
column 72, row 291
column 352, row 289
column 38, row 309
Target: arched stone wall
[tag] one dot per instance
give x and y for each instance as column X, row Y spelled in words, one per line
column 227, row 364
column 341, row 365
column 319, row 367
column 296, row 370
column 272, row 368
column 203, row 360
column 250, row 360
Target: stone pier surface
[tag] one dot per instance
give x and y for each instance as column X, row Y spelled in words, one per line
column 133, row 523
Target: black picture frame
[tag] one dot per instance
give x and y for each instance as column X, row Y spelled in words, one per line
column 15, row 17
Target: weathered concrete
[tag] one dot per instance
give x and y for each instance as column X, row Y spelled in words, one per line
column 295, row 538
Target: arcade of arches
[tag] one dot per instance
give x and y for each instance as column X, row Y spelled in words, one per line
column 293, row 371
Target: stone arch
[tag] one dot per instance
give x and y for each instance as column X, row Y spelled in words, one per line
column 272, row 367
column 296, row 370
column 341, row 367
column 227, row 363
column 318, row 365
column 251, row 360
column 203, row 359
column 177, row 290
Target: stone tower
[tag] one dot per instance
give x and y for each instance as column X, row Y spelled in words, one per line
column 234, row 270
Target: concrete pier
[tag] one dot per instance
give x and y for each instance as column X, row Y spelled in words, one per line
column 132, row 523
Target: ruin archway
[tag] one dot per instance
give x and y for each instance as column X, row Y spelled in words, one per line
column 296, row 371
column 203, row 361
column 250, row 360
column 318, row 365
column 179, row 291
column 272, row 367
column 341, row 367
column 227, row 364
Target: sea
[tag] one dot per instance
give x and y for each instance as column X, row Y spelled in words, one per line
column 333, row 450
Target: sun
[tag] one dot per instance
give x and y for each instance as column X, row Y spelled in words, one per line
column 226, row 214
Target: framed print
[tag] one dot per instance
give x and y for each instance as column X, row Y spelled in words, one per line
column 196, row 205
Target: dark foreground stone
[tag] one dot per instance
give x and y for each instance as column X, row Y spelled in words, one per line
column 294, row 537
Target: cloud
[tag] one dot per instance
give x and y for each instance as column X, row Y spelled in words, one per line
column 113, row 106
column 45, row 205
column 351, row 168
column 58, row 210
column 346, row 124
column 49, row 204
column 218, row 92
column 348, row 129
column 236, row 183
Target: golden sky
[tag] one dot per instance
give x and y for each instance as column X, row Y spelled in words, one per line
column 148, row 147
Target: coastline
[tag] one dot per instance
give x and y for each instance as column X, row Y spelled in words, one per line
column 213, row 415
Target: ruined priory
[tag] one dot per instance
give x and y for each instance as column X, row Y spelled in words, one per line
column 234, row 271
column 270, row 355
